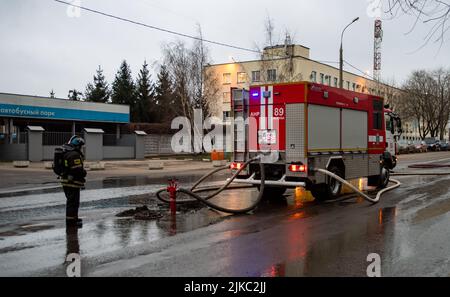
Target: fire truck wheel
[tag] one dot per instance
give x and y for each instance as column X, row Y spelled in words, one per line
column 334, row 186
column 319, row 192
column 380, row 181
column 273, row 192
column 329, row 190
column 384, row 178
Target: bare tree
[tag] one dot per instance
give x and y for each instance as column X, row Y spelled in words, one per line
column 390, row 93
column 428, row 101
column 434, row 12
column 277, row 55
column 195, row 87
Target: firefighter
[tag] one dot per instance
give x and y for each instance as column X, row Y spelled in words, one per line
column 73, row 178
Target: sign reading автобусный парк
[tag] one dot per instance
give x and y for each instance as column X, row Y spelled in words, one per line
column 11, row 110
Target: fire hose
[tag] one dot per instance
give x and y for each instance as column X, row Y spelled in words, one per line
column 396, row 182
column 365, row 196
column 193, row 191
column 205, row 200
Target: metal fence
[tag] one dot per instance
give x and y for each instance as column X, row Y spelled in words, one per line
column 56, row 138
column 123, row 140
column 15, row 138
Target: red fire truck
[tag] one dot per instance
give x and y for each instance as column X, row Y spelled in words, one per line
column 304, row 126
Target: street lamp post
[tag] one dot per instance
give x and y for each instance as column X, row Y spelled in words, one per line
column 341, row 56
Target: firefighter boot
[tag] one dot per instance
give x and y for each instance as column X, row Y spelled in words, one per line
column 74, row 222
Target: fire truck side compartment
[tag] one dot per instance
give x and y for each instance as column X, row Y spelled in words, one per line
column 354, row 130
column 295, row 137
column 295, row 132
column 324, row 128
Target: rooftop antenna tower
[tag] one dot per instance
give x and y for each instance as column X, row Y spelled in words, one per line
column 378, row 38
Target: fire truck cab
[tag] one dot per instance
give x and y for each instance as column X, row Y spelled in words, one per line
column 302, row 126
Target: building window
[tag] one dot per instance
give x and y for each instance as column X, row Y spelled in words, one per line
column 313, row 76
column 322, row 78
column 336, row 82
column 348, row 85
column 226, row 97
column 328, row 80
column 226, row 115
column 227, row 78
column 256, row 76
column 354, row 87
column 358, row 87
column 272, row 75
column 241, row 77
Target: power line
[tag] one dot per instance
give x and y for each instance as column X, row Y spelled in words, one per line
column 173, row 32
column 359, row 70
column 193, row 37
column 369, row 76
column 158, row 28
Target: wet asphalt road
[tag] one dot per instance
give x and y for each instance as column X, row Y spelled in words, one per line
column 292, row 236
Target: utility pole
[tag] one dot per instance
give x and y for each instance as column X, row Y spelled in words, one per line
column 341, row 56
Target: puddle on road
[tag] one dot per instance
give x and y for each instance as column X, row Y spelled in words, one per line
column 432, row 211
column 103, row 232
column 116, row 182
column 343, row 254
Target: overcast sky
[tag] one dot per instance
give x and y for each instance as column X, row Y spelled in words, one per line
column 43, row 48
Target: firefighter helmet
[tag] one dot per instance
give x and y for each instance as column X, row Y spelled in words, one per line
column 76, row 141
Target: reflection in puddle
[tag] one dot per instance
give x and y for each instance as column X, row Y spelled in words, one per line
column 360, row 183
column 343, row 254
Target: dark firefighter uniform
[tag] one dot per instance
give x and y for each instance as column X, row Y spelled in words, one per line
column 73, row 180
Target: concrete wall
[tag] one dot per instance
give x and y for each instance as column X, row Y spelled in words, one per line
column 13, row 152
column 118, row 152
column 158, row 144
column 139, row 152
column 35, row 146
column 94, row 143
column 48, row 152
column 93, row 151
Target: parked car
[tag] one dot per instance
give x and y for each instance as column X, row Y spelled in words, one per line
column 444, row 146
column 406, row 147
column 433, row 144
column 421, row 147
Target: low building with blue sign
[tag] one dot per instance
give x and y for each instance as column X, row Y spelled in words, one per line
column 58, row 115
column 55, row 120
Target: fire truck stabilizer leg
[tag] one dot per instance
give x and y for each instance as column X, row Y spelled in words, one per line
column 365, row 196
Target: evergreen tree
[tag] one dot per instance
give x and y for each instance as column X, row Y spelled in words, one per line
column 166, row 106
column 145, row 111
column 75, row 95
column 123, row 89
column 99, row 91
